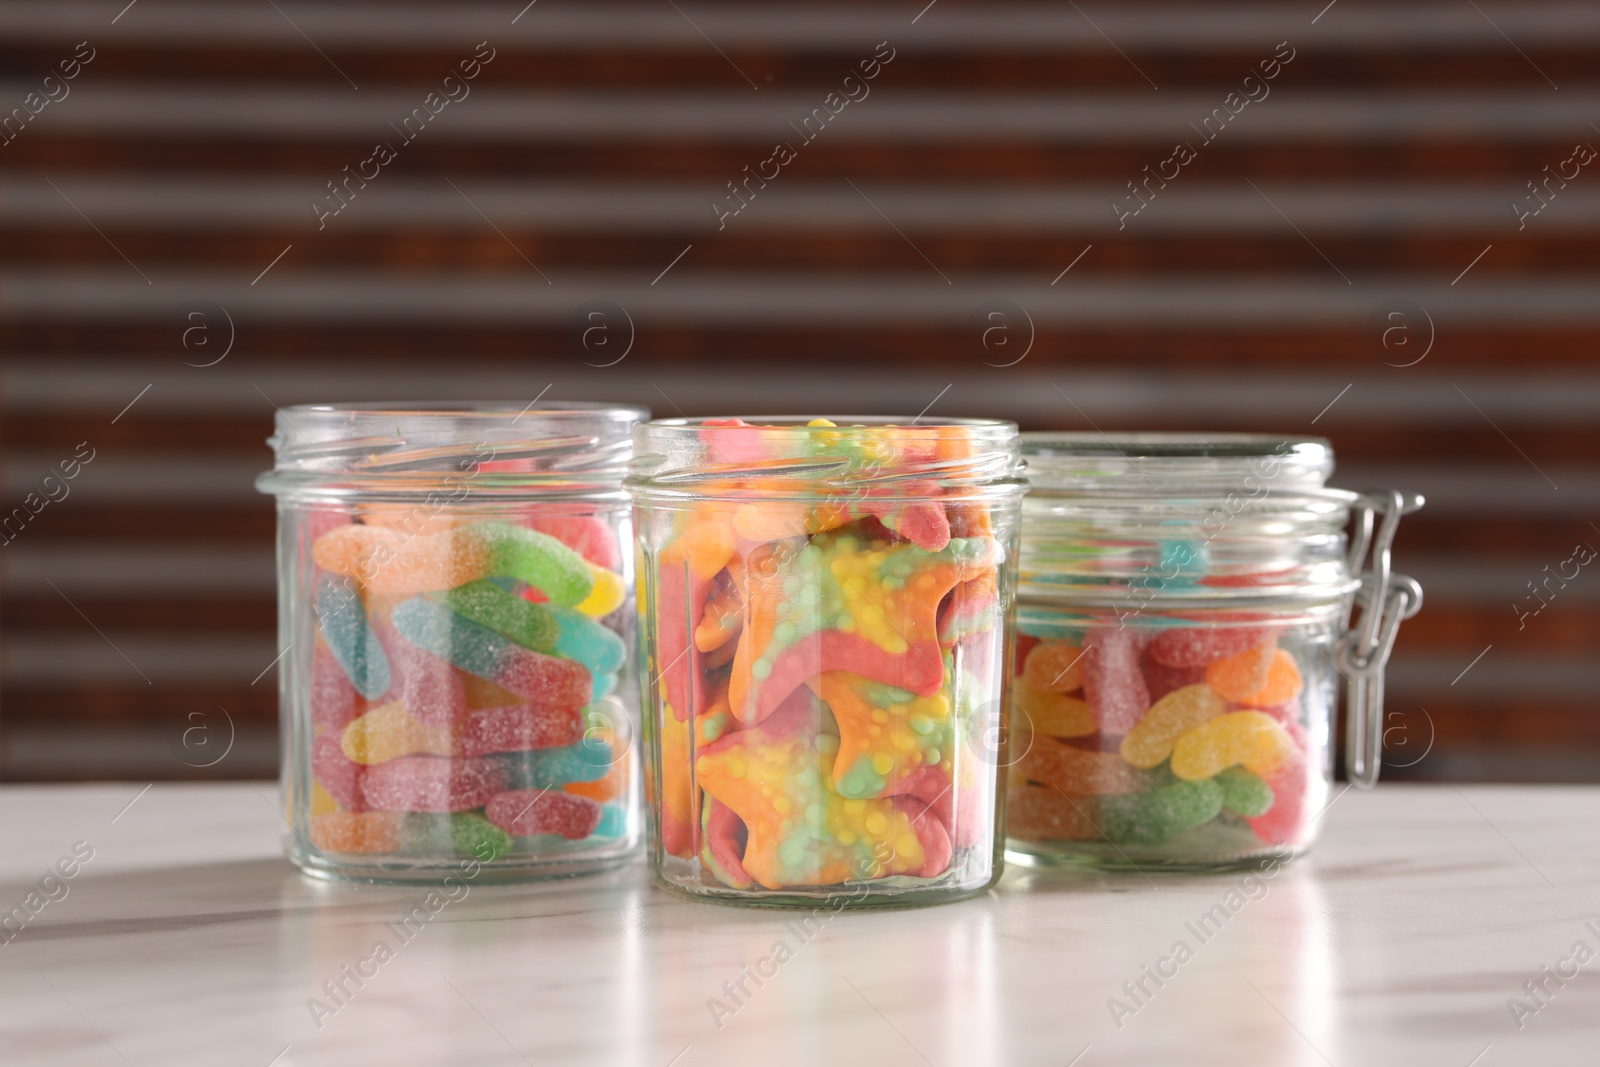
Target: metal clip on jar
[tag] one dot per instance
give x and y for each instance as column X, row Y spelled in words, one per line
column 1185, row 604
column 455, row 610
column 826, row 618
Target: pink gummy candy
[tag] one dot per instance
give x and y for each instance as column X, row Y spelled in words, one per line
column 432, row 692
column 429, row 783
column 333, row 698
column 1196, row 646
column 518, row 728
column 337, row 773
column 1112, row 683
column 525, row 812
column 587, row 535
column 1282, row 824
column 936, row 849
column 546, row 681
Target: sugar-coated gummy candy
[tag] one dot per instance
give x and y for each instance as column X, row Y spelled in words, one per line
column 1196, row 646
column 1112, row 683
column 337, row 773
column 1039, row 813
column 549, row 768
column 1251, row 739
column 582, row 639
column 525, row 812
column 588, row 535
column 1161, row 679
column 611, row 786
column 1051, row 714
column 1243, row 793
column 1150, row 742
column 540, row 560
column 1284, row 823
column 1283, row 683
column 333, row 698
column 1161, row 814
column 358, row 831
column 1055, row 667
column 349, row 637
column 541, row 679
column 613, row 821
column 507, row 614
column 518, row 728
column 606, row 596
column 431, row 691
column 1239, row 676
column 1079, row 771
column 388, row 560
column 467, row 833
column 389, row 731
column 427, row 783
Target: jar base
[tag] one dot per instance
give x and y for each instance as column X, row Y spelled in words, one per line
column 1106, row 858
column 854, row 897
column 421, row 871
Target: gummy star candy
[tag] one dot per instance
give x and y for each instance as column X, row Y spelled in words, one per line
column 777, row 778
column 844, row 603
column 685, row 569
column 885, row 734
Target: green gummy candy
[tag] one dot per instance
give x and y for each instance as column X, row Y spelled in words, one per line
column 1244, row 793
column 540, row 560
column 523, row 622
column 474, row 835
column 1153, row 817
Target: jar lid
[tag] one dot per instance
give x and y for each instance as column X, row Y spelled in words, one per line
column 499, row 448
column 779, row 455
column 1186, row 463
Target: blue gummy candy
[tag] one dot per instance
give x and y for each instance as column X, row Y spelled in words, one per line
column 350, row 638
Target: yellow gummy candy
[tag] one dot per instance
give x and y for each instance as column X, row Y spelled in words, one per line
column 322, row 801
column 1175, row 714
column 1252, row 739
column 1049, row 713
column 388, row 732
column 606, row 595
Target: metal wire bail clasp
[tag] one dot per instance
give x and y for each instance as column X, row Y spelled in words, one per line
column 1386, row 599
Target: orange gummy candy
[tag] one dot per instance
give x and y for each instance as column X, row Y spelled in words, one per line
column 1237, row 677
column 358, row 831
column 1079, row 771
column 1283, row 684
column 1054, row 667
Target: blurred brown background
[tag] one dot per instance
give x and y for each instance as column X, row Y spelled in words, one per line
column 1343, row 258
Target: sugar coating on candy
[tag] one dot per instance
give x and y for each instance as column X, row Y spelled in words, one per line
column 349, row 637
column 1196, row 646
column 1079, row 771
column 1050, row 714
column 606, row 596
column 465, row 833
column 1283, row 683
column 526, row 812
column 777, row 778
column 426, row 783
column 582, row 639
column 333, row 698
column 1039, row 813
column 589, row 535
column 337, row 773
column 358, row 831
column 515, row 619
column 1160, row 814
column 1150, row 742
column 1112, row 683
column 1054, row 667
column 551, row 768
column 1243, row 793
column 539, row 560
column 388, row 560
column 431, row 691
column 1239, row 676
column 885, row 734
column 1251, row 739
column 543, row 680
column 518, row 728
column 389, row 731
column 869, row 607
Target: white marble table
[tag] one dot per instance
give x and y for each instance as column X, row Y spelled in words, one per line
column 187, row 940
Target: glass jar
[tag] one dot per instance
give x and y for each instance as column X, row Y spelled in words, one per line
column 457, row 684
column 1185, row 609
column 825, row 610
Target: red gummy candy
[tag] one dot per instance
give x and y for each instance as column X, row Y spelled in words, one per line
column 1112, row 683
column 957, row 810
column 547, row 681
column 1161, row 679
column 337, row 773
column 725, row 836
column 431, row 691
column 1024, row 646
column 525, row 812
column 519, row 728
column 936, row 848
column 333, row 698
column 585, row 534
column 923, row 523
column 1196, row 646
column 1282, row 823
column 428, row 783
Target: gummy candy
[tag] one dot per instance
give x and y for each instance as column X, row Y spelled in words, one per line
column 337, row 773
column 1196, row 646
column 519, row 727
column 1244, row 793
column 1239, row 676
column 1079, row 771
column 510, row 616
column 333, row 698
column 1251, row 739
column 1050, row 713
column 429, row 689
column 350, row 638
column 1160, row 814
column 467, row 833
column 587, row 642
column 1041, row 813
column 1150, row 742
column 1054, row 667
column 390, row 731
column 426, row 783
column 550, row 768
column 358, row 831
column 1283, row 683
column 525, row 812
column 545, row 680
column 1112, row 683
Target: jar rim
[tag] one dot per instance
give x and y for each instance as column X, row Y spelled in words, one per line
column 1180, row 464
column 1174, row 445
